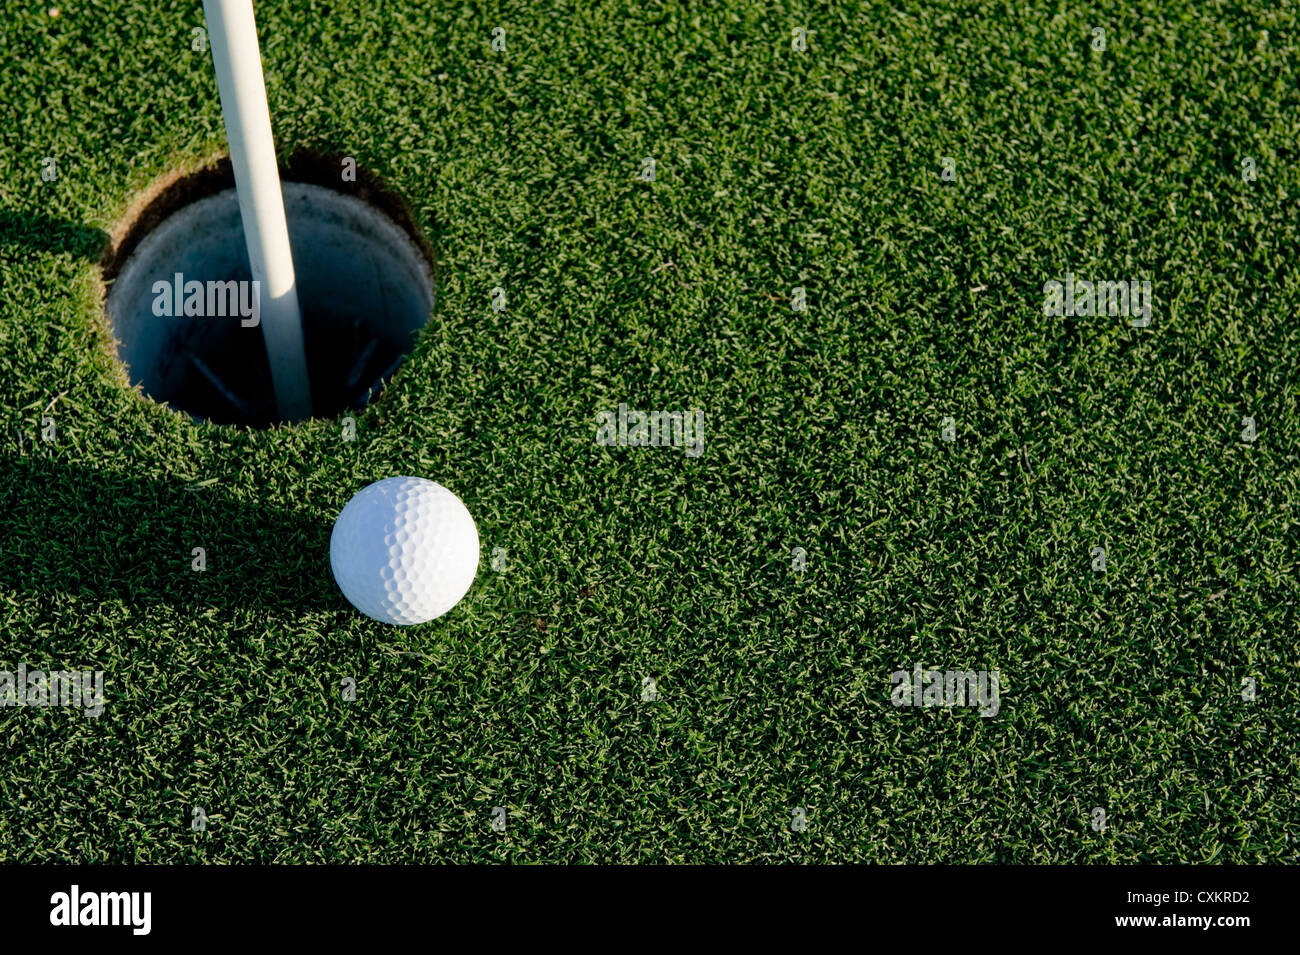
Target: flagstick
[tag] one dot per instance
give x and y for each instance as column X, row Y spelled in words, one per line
column 235, row 53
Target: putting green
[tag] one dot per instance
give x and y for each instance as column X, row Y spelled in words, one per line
column 670, row 656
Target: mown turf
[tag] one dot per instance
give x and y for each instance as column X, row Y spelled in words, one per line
column 774, row 169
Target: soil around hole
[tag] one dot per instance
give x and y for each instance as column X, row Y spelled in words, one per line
column 171, row 193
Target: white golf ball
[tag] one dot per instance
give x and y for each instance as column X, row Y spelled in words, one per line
column 404, row 550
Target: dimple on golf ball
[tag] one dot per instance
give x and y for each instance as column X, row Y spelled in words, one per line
column 404, row 550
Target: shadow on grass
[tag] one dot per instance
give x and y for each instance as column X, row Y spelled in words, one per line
column 41, row 233
column 109, row 535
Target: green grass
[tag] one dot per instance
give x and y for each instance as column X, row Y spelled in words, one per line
column 775, row 169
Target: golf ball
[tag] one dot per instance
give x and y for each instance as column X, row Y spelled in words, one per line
column 404, row 550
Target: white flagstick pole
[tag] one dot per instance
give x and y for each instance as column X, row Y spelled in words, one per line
column 238, row 60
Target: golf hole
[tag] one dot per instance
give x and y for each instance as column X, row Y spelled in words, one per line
column 365, row 284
